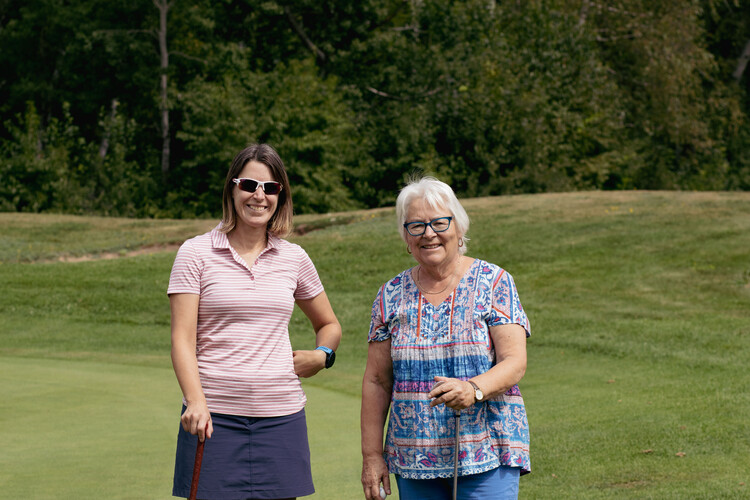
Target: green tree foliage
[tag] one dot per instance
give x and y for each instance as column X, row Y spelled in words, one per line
column 37, row 164
column 494, row 97
column 52, row 168
column 508, row 100
column 673, row 93
column 302, row 115
column 727, row 32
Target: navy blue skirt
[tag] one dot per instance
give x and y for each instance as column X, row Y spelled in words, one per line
column 247, row 457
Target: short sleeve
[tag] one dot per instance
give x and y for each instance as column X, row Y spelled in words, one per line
column 378, row 329
column 186, row 271
column 308, row 282
column 506, row 306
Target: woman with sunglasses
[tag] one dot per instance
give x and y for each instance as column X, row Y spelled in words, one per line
column 447, row 346
column 232, row 292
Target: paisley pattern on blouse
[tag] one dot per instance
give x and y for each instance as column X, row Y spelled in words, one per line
column 451, row 340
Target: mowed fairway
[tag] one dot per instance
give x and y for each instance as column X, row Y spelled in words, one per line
column 637, row 384
column 73, row 429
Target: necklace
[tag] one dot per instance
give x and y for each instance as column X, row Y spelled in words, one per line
column 453, row 275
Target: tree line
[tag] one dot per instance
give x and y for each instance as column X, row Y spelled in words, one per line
column 137, row 107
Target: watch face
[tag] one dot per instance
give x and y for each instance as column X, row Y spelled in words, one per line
column 330, row 359
column 478, row 394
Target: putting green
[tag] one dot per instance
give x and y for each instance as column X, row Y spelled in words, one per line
column 78, row 429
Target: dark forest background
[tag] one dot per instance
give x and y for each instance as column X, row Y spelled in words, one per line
column 136, row 107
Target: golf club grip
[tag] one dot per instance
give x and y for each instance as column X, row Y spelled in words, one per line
column 197, row 469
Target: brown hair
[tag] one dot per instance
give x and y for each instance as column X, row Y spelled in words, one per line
column 281, row 221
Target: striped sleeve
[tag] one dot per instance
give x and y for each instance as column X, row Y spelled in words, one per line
column 309, row 285
column 186, row 271
column 378, row 329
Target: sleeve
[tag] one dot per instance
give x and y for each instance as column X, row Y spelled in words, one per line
column 308, row 282
column 378, row 329
column 506, row 306
column 186, row 271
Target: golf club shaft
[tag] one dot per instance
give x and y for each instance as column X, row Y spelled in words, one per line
column 455, row 454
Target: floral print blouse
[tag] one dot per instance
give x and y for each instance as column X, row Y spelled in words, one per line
column 451, row 340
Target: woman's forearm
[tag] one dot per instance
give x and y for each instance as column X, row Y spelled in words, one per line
column 327, row 327
column 184, row 340
column 377, row 385
column 185, row 365
column 376, row 400
column 510, row 352
column 329, row 335
column 501, row 377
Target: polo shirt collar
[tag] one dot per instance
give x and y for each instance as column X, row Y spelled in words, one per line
column 219, row 240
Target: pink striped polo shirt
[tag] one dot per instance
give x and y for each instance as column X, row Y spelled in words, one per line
column 243, row 347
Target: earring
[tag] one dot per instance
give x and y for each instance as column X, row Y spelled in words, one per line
column 408, row 249
column 460, row 242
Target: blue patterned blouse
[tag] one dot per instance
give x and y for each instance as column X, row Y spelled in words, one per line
column 451, row 340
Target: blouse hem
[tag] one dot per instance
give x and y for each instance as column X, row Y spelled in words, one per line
column 463, row 471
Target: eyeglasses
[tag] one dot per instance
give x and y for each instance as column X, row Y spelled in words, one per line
column 438, row 225
column 251, row 185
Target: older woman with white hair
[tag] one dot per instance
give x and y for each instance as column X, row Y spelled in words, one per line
column 447, row 340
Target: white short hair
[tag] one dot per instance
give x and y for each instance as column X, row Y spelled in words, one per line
column 439, row 196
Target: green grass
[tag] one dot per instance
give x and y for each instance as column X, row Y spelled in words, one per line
column 73, row 429
column 637, row 382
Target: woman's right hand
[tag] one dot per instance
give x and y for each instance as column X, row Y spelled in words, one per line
column 196, row 419
column 375, row 472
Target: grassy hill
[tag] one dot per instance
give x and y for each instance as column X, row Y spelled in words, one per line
column 636, row 387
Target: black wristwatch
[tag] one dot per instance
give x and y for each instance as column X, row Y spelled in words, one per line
column 330, row 355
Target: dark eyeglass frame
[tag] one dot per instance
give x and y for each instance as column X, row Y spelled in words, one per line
column 246, row 184
column 410, row 225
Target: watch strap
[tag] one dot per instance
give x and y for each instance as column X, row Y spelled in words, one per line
column 330, row 355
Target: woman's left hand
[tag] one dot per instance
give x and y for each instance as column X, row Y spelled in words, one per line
column 454, row 393
column 308, row 363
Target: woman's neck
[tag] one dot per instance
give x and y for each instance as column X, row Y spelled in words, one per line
column 442, row 271
column 248, row 240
